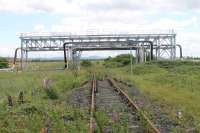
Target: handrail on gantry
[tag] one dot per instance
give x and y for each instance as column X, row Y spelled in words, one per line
column 129, row 42
column 67, row 35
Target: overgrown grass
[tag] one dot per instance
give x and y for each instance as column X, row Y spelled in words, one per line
column 104, row 123
column 86, row 63
column 175, row 84
column 42, row 107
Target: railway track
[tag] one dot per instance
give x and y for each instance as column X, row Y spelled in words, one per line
column 108, row 97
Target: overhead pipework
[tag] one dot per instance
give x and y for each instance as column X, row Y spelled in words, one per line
column 130, row 45
column 157, row 46
column 21, row 60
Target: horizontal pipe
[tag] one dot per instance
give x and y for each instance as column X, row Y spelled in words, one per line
column 129, row 42
column 61, row 49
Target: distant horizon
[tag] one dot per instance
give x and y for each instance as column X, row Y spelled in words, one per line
column 83, row 57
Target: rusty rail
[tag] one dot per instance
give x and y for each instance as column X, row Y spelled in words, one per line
column 151, row 127
column 92, row 107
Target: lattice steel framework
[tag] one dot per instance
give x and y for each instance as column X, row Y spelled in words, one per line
column 164, row 45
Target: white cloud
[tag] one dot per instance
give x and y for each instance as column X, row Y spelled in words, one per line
column 126, row 23
column 167, row 23
column 115, row 22
column 79, row 6
column 36, row 6
column 114, row 16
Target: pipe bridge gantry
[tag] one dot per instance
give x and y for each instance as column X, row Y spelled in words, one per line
column 163, row 45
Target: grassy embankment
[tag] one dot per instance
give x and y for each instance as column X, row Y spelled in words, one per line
column 173, row 85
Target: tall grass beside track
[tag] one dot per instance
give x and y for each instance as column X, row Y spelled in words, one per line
column 175, row 85
column 39, row 110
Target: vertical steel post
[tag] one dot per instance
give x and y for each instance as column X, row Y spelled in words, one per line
column 171, row 50
column 145, row 55
column 79, row 60
column 131, row 58
column 159, row 51
column 65, row 59
column 74, row 59
column 21, row 54
column 174, row 46
column 136, row 55
column 141, row 54
column 151, row 47
column 26, row 58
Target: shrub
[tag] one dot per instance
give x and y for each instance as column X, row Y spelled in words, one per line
column 3, row 63
column 86, row 63
column 118, row 61
column 51, row 94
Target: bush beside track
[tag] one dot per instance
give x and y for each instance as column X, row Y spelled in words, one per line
column 118, row 61
column 3, row 63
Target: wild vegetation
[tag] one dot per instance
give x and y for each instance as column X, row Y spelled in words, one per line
column 119, row 61
column 45, row 102
column 172, row 85
column 86, row 63
column 3, row 63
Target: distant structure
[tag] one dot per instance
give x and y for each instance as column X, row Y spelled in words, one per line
column 155, row 46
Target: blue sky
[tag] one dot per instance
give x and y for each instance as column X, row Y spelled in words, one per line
column 113, row 16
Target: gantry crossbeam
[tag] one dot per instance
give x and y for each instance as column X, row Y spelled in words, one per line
column 164, row 45
column 55, row 41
